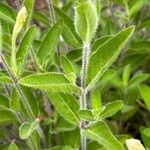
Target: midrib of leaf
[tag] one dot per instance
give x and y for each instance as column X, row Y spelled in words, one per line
column 108, row 111
column 74, row 36
column 77, row 42
column 105, row 67
column 71, row 111
column 8, row 18
column 102, row 141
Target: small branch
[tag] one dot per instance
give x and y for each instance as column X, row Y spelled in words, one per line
column 22, row 96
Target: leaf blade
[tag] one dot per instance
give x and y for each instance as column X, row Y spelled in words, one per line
column 98, row 66
column 54, row 82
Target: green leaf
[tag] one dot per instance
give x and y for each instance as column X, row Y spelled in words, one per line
column 7, row 14
column 145, row 94
column 74, row 55
column 69, row 34
column 13, row 146
column 4, row 78
column 48, row 46
column 147, row 132
column 32, row 101
column 27, row 129
column 41, row 18
column 68, row 69
column 71, row 138
column 24, row 48
column 8, row 115
column 135, row 6
column 29, row 6
column 15, row 100
column 4, row 101
column 126, row 74
column 66, row 105
column 86, row 115
column 66, row 64
column 96, row 102
column 100, row 41
column 136, row 80
column 111, row 109
column 86, row 20
column 144, row 137
column 105, row 55
column 100, row 132
column 53, row 82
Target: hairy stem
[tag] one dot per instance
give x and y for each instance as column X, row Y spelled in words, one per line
column 22, row 96
column 83, row 100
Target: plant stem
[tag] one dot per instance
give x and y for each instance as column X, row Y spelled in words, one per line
column 22, row 96
column 83, row 101
column 18, row 88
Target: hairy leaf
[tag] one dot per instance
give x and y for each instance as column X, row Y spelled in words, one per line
column 111, row 109
column 86, row 115
column 27, row 128
column 29, row 5
column 68, row 33
column 7, row 14
column 66, row 105
column 24, row 48
column 86, row 20
column 53, row 82
column 100, row 132
column 105, row 55
column 48, row 46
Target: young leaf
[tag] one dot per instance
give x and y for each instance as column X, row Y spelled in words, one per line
column 126, row 74
column 13, row 146
column 86, row 20
column 100, row 132
column 145, row 94
column 105, row 55
column 24, row 48
column 68, row 33
column 53, row 82
column 86, row 115
column 20, row 20
column 111, row 109
column 66, row 105
column 27, row 129
column 7, row 14
column 48, row 46
column 96, row 102
column 29, row 5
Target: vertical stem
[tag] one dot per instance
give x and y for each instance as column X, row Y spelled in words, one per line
column 83, row 100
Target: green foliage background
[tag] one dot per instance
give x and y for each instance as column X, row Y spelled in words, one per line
column 67, row 51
